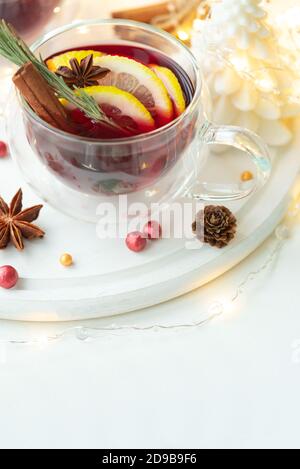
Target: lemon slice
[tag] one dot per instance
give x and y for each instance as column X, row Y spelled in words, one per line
column 139, row 80
column 122, row 107
column 173, row 87
column 63, row 60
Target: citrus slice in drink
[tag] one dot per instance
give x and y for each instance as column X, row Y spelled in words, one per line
column 139, row 80
column 122, row 107
column 63, row 60
column 173, row 87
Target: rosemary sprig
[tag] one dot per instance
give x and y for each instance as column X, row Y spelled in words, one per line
column 13, row 48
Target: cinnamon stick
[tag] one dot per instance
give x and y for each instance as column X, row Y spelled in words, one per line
column 147, row 13
column 40, row 96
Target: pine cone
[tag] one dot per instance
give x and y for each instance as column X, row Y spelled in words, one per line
column 219, row 226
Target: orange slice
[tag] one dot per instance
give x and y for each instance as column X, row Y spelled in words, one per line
column 124, row 108
column 173, row 87
column 63, row 60
column 139, row 80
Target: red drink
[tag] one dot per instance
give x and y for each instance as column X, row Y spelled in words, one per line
column 156, row 167
column 27, row 16
column 86, row 128
column 126, row 165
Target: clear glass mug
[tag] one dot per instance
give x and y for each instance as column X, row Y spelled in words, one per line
column 27, row 16
column 77, row 174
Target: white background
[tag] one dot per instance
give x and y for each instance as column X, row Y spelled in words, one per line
column 232, row 383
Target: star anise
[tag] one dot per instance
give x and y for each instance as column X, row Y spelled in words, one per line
column 16, row 224
column 82, row 74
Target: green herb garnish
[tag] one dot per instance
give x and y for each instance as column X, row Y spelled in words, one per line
column 13, row 48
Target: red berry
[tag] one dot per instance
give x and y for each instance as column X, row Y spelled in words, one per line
column 8, row 277
column 3, row 149
column 136, row 241
column 152, row 230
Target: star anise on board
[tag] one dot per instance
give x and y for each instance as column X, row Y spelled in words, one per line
column 82, row 74
column 16, row 224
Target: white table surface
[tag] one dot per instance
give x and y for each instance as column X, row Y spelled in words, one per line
column 232, row 383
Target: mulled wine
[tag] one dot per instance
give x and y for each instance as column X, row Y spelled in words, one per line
column 140, row 81
column 142, row 87
column 150, row 58
column 27, row 16
column 142, row 91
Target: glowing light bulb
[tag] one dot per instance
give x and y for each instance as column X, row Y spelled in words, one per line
column 83, row 30
column 183, row 35
column 240, row 63
column 198, row 24
column 265, row 85
column 229, row 306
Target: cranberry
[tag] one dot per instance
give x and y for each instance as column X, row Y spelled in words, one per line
column 136, row 241
column 152, row 230
column 8, row 277
column 3, row 149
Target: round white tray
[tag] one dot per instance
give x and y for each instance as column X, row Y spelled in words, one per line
column 106, row 278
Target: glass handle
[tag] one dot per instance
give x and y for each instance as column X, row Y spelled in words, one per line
column 250, row 144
